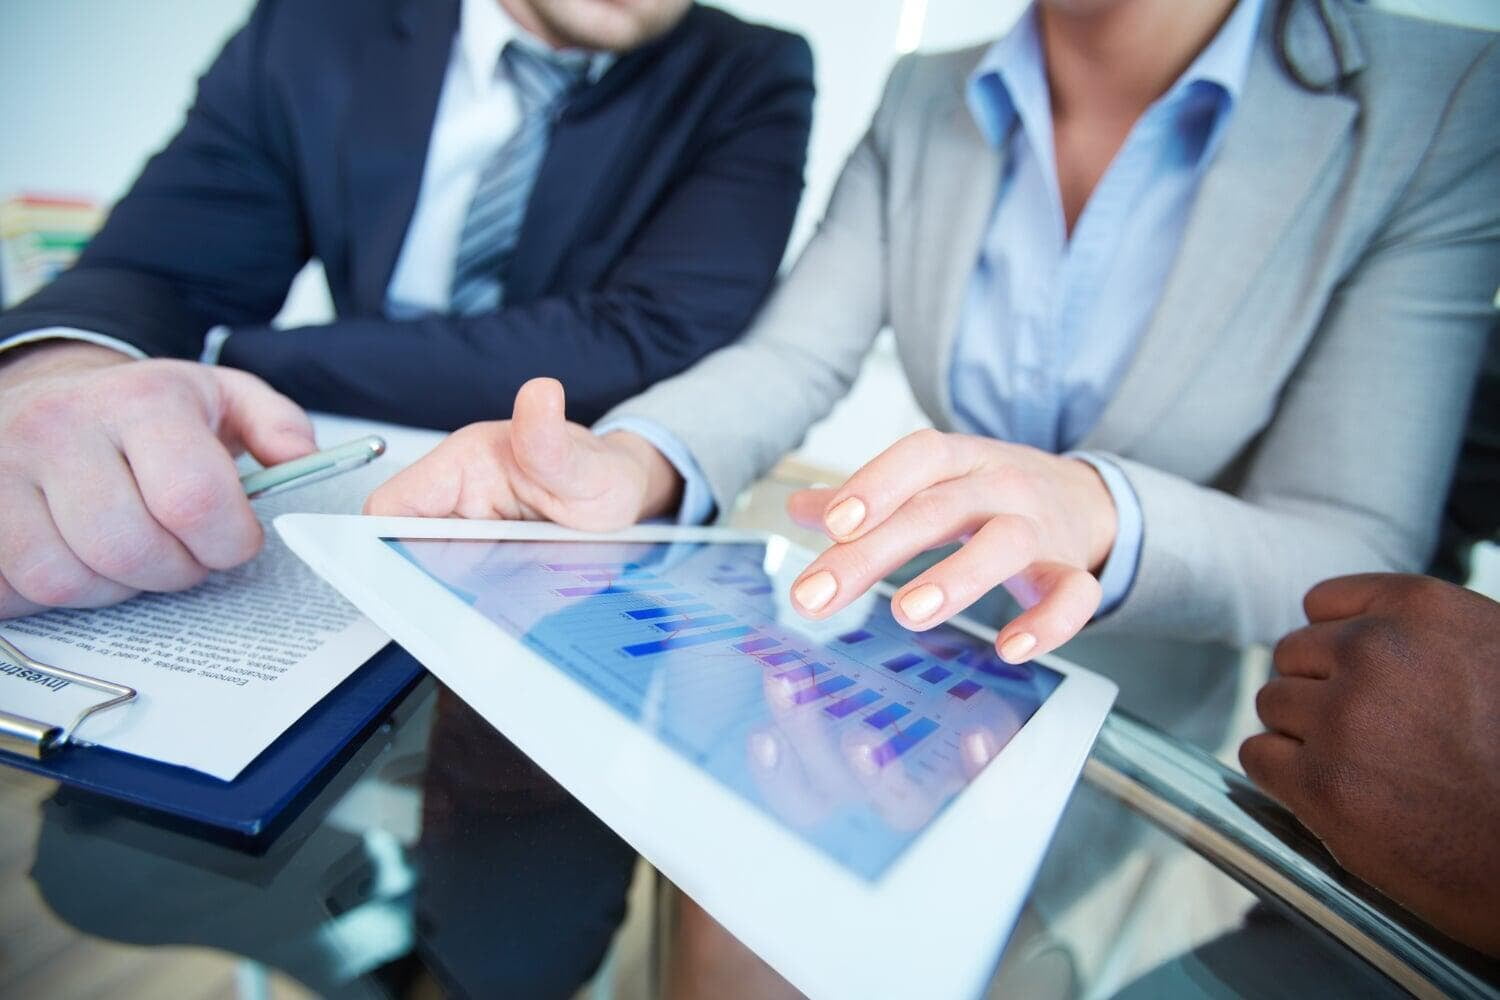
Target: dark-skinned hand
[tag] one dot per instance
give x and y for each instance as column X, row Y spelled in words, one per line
column 1384, row 741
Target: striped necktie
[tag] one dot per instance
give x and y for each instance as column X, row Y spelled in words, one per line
column 488, row 240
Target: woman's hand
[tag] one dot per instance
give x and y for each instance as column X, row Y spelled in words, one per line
column 537, row 467
column 1037, row 524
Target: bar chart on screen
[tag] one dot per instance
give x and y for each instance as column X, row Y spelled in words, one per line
column 854, row 719
column 671, row 620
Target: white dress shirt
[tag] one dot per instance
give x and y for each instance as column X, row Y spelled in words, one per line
column 477, row 112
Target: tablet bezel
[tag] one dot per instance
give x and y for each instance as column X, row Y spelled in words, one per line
column 865, row 941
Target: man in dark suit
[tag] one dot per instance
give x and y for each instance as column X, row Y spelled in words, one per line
column 497, row 189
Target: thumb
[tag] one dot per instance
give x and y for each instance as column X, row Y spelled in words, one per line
column 260, row 420
column 545, row 447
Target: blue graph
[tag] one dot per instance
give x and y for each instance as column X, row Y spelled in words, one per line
column 688, row 640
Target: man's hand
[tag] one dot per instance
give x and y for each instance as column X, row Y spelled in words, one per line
column 1385, row 742
column 536, row 466
column 1039, row 524
column 117, row 476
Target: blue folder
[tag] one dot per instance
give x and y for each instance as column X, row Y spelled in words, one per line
column 284, row 774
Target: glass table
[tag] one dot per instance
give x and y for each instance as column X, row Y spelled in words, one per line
column 437, row 860
column 1169, row 876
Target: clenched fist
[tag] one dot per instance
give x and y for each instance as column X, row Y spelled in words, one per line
column 1384, row 740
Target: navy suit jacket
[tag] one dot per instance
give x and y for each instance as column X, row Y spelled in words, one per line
column 654, row 231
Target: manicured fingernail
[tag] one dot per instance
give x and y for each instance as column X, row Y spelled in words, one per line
column 920, row 604
column 1017, row 646
column 845, row 517
column 816, row 591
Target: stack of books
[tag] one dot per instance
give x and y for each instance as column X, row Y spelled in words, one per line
column 41, row 236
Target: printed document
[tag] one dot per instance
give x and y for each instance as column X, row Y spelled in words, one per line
column 223, row 669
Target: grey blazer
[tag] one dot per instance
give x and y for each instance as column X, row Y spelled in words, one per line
column 1295, row 406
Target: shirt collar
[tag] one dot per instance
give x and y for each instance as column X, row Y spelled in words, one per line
column 1226, row 59
column 483, row 31
column 1011, row 78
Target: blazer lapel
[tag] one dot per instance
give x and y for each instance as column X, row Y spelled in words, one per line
column 393, row 107
column 1278, row 142
column 957, row 189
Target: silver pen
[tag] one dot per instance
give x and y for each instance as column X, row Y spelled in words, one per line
column 312, row 468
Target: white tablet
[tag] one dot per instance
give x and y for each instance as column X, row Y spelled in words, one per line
column 864, row 806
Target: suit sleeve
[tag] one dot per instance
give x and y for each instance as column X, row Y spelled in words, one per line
column 210, row 232
column 1474, row 501
column 1352, row 472
column 689, row 282
column 743, row 407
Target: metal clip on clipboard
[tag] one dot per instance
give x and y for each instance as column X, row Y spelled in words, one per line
column 30, row 738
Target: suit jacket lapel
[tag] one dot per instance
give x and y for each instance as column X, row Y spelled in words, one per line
column 1274, row 151
column 393, row 106
column 956, row 200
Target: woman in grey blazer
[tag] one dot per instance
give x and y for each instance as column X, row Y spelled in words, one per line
column 1195, row 309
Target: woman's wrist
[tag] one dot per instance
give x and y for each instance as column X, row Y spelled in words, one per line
column 1101, row 520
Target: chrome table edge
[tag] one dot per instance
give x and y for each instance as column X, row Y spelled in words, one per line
column 1223, row 817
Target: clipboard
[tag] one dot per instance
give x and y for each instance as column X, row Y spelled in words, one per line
column 36, row 739
column 258, row 802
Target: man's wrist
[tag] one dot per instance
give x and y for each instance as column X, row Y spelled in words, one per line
column 49, row 356
column 663, row 484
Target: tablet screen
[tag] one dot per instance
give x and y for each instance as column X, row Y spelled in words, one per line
column 853, row 732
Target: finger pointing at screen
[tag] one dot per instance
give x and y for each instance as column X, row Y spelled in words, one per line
column 1040, row 525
